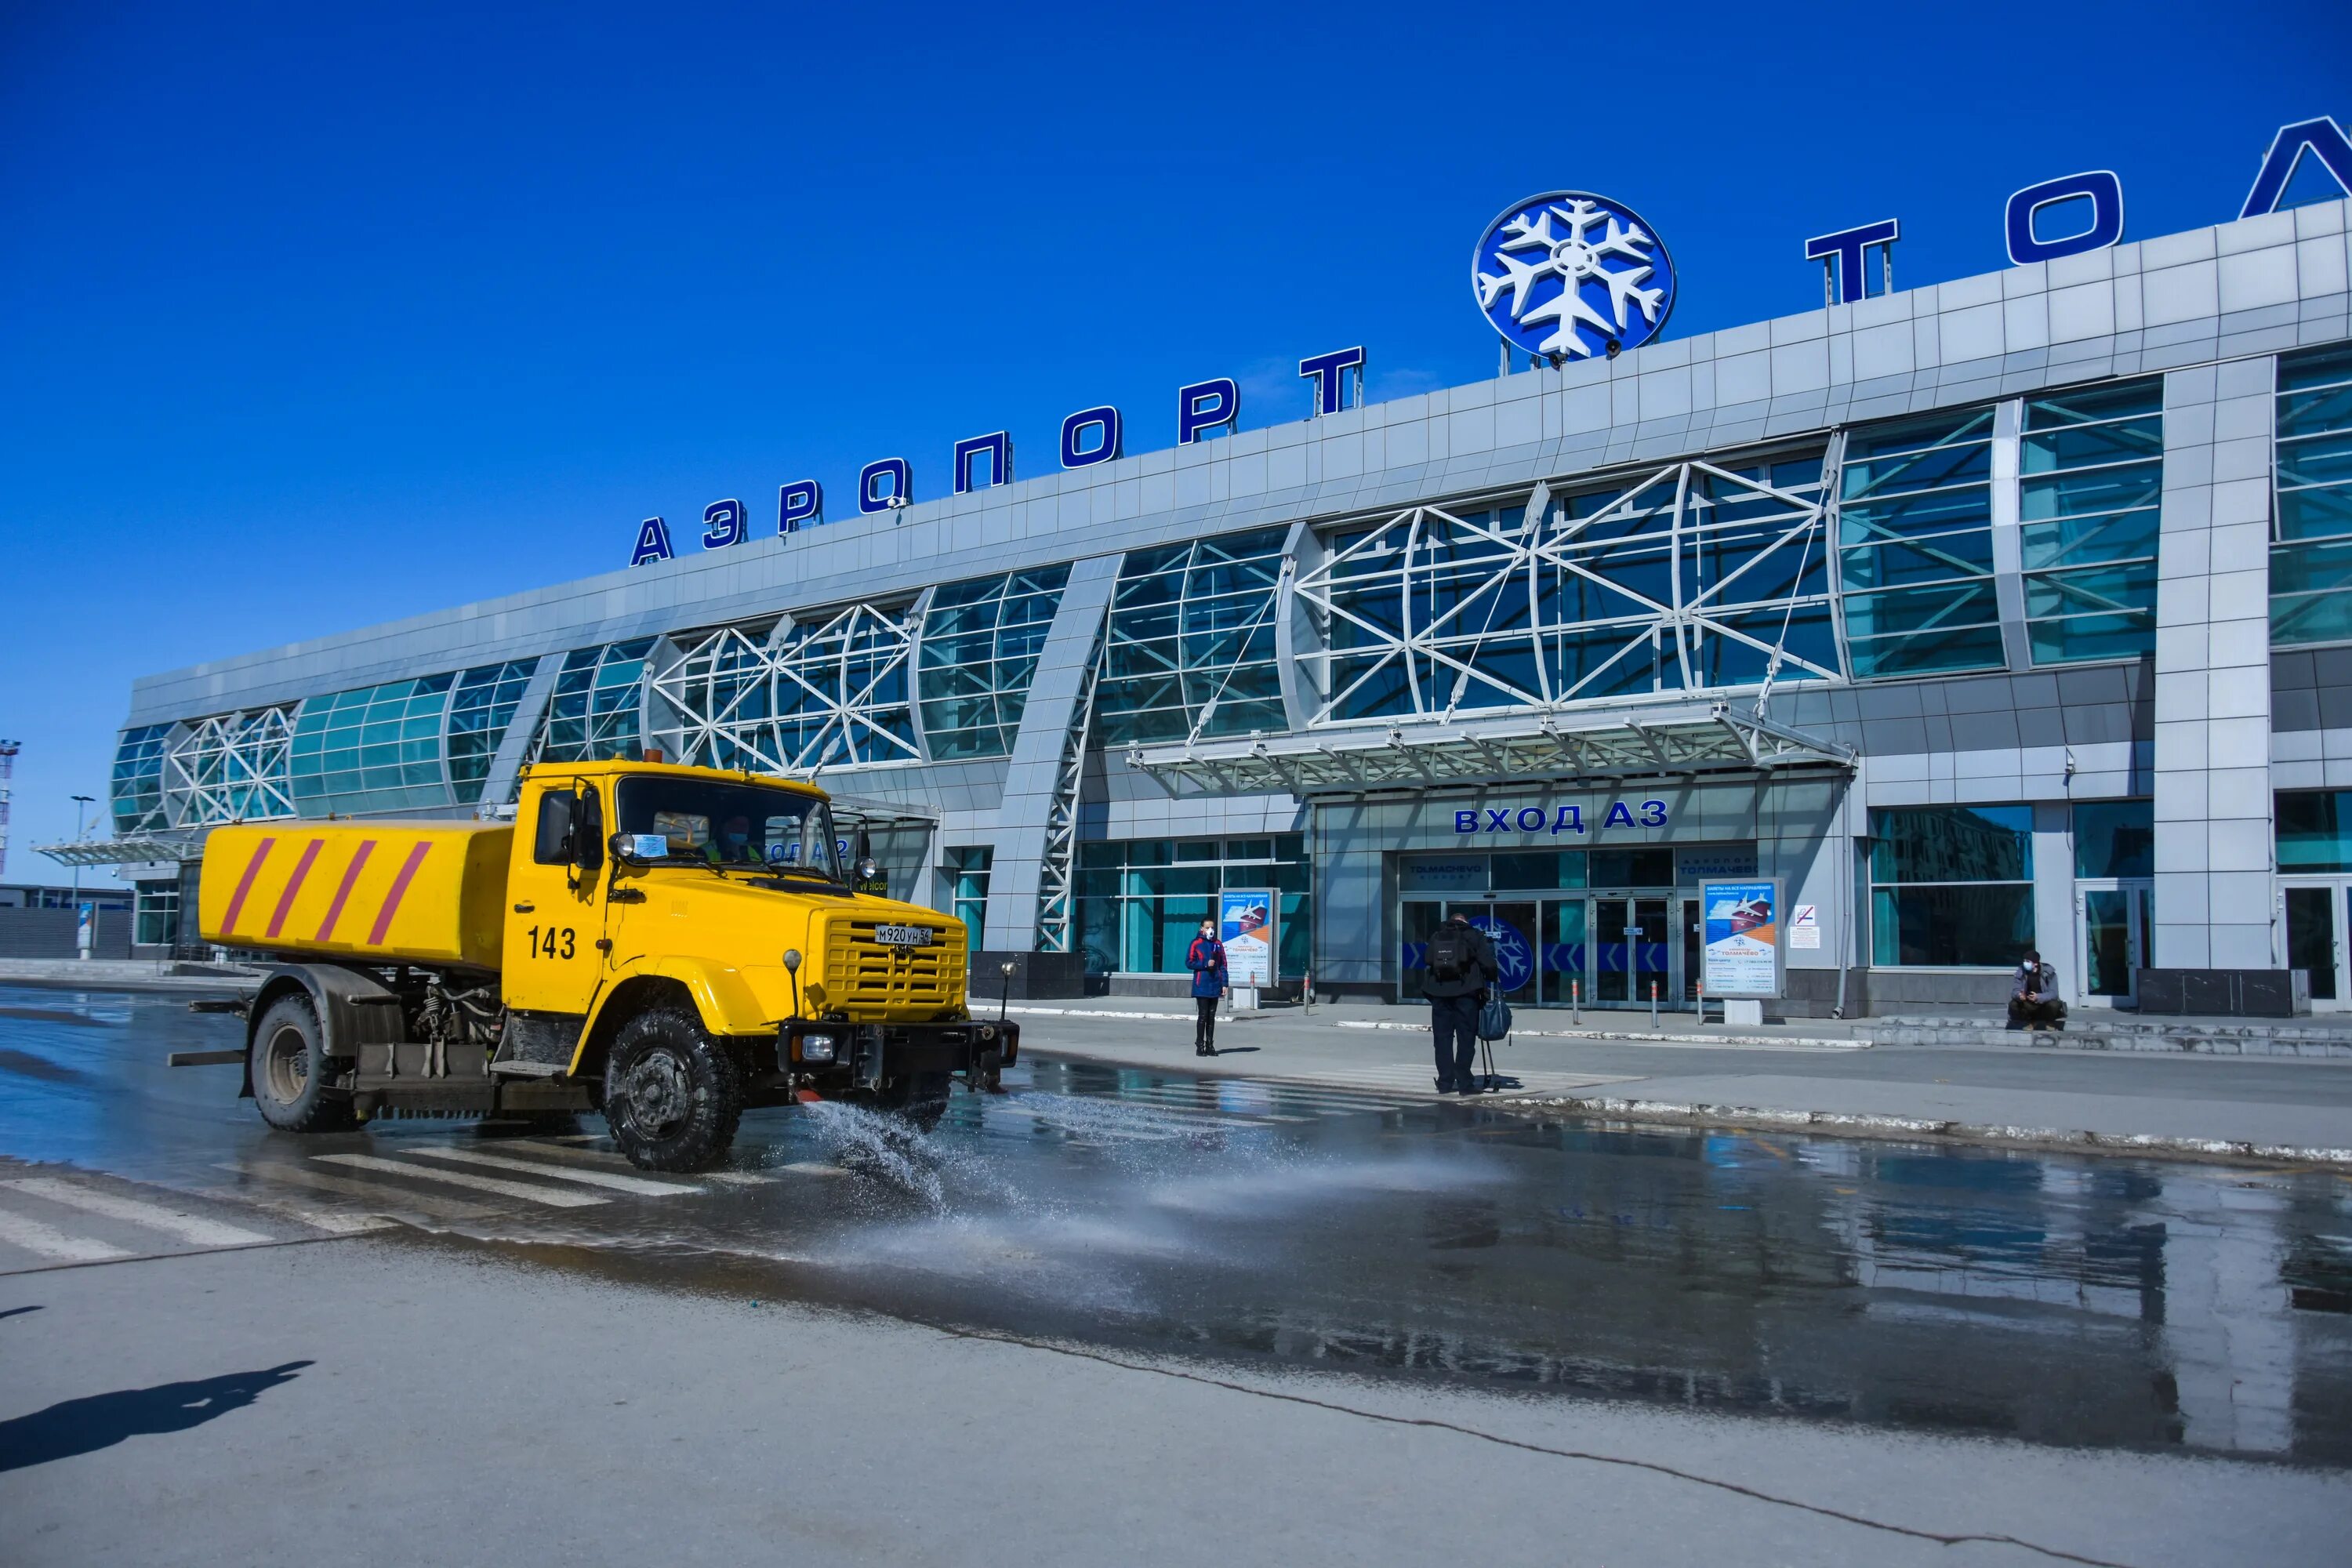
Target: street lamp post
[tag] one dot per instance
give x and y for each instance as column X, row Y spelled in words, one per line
column 82, row 804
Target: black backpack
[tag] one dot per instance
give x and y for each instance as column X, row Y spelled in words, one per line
column 1450, row 951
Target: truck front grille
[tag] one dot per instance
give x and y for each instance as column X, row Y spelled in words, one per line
column 865, row 977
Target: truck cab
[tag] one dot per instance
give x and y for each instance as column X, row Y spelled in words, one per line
column 670, row 945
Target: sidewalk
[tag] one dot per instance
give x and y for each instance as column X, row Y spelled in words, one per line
column 1823, row 1074
column 170, row 976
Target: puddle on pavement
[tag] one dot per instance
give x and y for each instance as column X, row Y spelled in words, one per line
column 2044, row 1298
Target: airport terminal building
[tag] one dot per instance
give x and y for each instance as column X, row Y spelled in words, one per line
column 2011, row 611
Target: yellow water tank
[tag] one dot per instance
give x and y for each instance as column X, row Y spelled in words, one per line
column 416, row 892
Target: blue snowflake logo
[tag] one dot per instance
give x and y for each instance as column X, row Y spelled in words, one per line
column 1569, row 274
column 1513, row 955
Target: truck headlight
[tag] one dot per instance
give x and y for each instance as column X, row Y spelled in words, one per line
column 816, row 1048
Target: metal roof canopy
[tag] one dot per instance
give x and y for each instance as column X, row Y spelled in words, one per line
column 848, row 810
column 1696, row 735
column 123, row 851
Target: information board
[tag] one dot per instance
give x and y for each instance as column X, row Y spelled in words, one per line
column 1740, row 939
column 1249, row 923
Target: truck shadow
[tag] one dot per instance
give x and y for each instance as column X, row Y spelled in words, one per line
column 85, row 1425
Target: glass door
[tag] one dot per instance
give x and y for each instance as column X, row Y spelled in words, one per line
column 1511, row 926
column 2313, row 914
column 2111, row 936
column 1633, row 946
column 1565, row 979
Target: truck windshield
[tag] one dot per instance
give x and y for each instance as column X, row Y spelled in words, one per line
column 727, row 824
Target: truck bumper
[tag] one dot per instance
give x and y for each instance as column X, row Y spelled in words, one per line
column 872, row 1055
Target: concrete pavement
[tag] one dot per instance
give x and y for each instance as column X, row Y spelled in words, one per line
column 2286, row 1110
column 384, row 1400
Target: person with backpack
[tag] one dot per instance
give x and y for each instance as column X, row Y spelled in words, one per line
column 1206, row 959
column 1457, row 966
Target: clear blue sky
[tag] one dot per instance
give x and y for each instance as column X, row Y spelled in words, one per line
column 317, row 316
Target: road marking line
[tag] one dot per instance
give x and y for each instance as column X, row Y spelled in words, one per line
column 152, row 1216
column 813, row 1168
column 739, row 1178
column 325, row 1219
column 636, row 1185
column 370, row 1192
column 50, row 1242
column 548, row 1195
column 550, row 1149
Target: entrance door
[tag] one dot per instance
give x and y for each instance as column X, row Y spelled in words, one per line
column 1565, row 979
column 1632, row 947
column 1511, row 927
column 2112, row 921
column 2314, row 914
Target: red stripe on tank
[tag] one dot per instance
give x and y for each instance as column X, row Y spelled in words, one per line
column 245, row 886
column 342, row 893
column 294, row 885
column 399, row 891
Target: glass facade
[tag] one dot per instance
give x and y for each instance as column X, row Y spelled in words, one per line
column 155, row 921
column 840, row 690
column 375, row 749
column 2115, row 838
column 596, row 713
column 979, row 647
column 235, row 767
column 2314, row 830
column 478, row 715
column 2092, row 474
column 1142, row 901
column 1914, row 546
column 1189, row 648
column 136, row 789
column 1951, row 885
column 1437, row 612
column 966, row 871
column 2311, row 550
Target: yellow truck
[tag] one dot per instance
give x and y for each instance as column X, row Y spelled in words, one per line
column 668, row 945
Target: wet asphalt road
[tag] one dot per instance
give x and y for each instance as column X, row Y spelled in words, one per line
column 2085, row 1303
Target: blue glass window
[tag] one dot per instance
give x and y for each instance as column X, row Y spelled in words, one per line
column 376, row 749
column 2115, row 838
column 2315, row 830
column 1190, row 645
column 478, row 715
column 1952, row 886
column 980, row 647
column 595, row 714
column 136, row 790
column 2311, row 550
column 2092, row 475
column 1914, row 546
column 1142, row 901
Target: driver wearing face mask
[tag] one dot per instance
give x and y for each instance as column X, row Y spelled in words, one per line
column 733, row 843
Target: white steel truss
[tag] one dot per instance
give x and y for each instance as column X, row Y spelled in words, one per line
column 232, row 767
column 1057, row 873
column 1685, row 576
column 827, row 694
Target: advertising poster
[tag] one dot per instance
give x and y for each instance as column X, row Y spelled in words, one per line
column 1741, row 945
column 1247, row 919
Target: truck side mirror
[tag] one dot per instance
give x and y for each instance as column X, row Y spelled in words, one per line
column 588, row 834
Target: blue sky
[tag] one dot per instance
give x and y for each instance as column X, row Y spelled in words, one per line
column 317, row 316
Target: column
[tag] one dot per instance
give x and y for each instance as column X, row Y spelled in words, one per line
column 2213, row 838
column 1033, row 771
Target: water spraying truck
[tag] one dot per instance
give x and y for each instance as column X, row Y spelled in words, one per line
column 668, row 945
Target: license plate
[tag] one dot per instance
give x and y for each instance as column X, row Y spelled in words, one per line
column 903, row 936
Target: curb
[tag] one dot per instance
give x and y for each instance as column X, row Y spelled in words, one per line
column 1850, row 1125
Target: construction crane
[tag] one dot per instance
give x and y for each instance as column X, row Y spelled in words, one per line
column 9, row 749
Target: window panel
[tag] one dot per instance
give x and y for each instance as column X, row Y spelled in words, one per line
column 2311, row 553
column 2115, row 838
column 1142, row 918
column 1916, row 510
column 1191, row 641
column 980, row 639
column 2093, row 458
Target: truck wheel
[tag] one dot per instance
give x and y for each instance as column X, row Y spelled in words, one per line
column 672, row 1094
column 288, row 1065
column 920, row 1100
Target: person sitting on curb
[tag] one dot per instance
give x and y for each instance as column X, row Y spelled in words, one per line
column 1206, row 959
column 2033, row 999
column 1457, row 968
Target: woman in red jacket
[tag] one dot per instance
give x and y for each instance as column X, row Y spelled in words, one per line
column 1206, row 959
